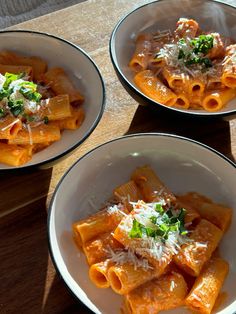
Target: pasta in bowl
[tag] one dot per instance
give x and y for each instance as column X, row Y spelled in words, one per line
column 183, row 62
column 160, row 243
column 47, row 108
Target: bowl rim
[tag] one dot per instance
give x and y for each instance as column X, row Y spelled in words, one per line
column 94, row 124
column 135, row 90
column 135, row 135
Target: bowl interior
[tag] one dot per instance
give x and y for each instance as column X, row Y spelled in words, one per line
column 183, row 165
column 211, row 16
column 81, row 70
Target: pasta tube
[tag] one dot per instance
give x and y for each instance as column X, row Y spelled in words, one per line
column 73, row 122
column 217, row 214
column 207, row 286
column 13, row 155
column 57, row 108
column 164, row 293
column 150, row 185
column 151, row 86
column 182, row 101
column 98, row 273
column 39, row 65
column 103, row 221
column 126, row 193
column 139, row 61
column 9, row 127
column 99, row 249
column 125, row 277
column 203, row 241
column 228, row 77
column 186, row 28
column 61, row 84
column 16, row 69
column 36, row 135
column 175, row 80
column 215, row 100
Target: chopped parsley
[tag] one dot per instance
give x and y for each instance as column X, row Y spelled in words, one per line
column 160, row 225
column 202, row 44
column 29, row 91
column 45, row 120
column 196, row 54
column 2, row 112
column 10, row 77
column 14, row 102
column 16, row 106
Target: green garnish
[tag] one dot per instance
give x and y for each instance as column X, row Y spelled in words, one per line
column 10, row 77
column 181, row 54
column 200, row 47
column 16, row 106
column 2, row 112
column 202, row 44
column 161, row 225
column 3, row 93
column 15, row 102
column 159, row 208
column 137, row 230
column 29, row 91
column 45, row 120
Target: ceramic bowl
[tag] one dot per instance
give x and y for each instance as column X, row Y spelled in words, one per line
column 82, row 71
column 182, row 164
column 163, row 15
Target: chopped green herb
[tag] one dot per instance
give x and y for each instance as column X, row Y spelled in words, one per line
column 202, row 44
column 159, row 208
column 182, row 41
column 3, row 93
column 200, row 47
column 2, row 112
column 136, row 231
column 29, row 91
column 45, row 120
column 16, row 106
column 9, row 78
column 181, row 54
column 162, row 227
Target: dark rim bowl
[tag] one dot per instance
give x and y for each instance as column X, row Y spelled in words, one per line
column 211, row 15
column 83, row 72
column 181, row 163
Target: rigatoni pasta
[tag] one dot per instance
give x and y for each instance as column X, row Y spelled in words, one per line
column 187, row 68
column 154, row 248
column 36, row 105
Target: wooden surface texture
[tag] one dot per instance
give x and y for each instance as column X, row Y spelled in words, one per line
column 29, row 283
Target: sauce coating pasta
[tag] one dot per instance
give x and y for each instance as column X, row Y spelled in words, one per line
column 187, row 68
column 36, row 105
column 156, row 253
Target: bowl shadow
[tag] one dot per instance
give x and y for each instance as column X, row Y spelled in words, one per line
column 214, row 133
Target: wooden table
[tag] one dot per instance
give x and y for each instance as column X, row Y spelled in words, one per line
column 28, row 281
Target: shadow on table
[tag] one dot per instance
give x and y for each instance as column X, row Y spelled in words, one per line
column 28, row 281
column 19, row 187
column 24, row 259
column 68, row 303
column 214, row 133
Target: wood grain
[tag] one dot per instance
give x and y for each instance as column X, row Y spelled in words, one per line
column 28, row 280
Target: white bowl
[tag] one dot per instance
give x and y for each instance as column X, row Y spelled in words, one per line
column 162, row 15
column 83, row 72
column 183, row 164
